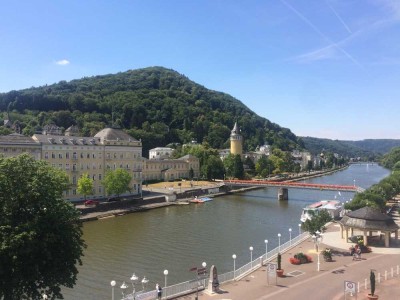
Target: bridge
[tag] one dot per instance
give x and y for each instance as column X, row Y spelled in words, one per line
column 289, row 184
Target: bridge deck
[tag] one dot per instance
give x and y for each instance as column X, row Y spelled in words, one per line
column 335, row 187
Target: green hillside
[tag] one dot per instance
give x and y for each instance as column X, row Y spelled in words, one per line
column 365, row 149
column 157, row 105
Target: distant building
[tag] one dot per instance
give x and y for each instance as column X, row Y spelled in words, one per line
column 15, row 144
column 170, row 169
column 160, row 153
column 109, row 149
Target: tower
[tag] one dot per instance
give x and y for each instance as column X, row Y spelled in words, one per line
column 236, row 141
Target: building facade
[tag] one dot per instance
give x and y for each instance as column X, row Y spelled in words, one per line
column 170, row 169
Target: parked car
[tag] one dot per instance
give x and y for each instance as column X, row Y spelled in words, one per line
column 91, row 203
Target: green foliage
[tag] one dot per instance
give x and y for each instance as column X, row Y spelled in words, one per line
column 117, row 182
column 367, row 152
column 264, row 166
column 85, row 185
column 234, row 166
column 158, row 105
column 40, row 233
column 279, row 260
column 213, row 168
column 390, row 159
column 317, row 222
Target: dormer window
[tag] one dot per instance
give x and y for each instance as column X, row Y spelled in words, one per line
column 51, row 140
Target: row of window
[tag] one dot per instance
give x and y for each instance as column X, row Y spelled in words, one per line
column 76, row 167
column 76, row 155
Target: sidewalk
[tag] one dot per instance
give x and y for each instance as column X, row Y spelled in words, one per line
column 305, row 282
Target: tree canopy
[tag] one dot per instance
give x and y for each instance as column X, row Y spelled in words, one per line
column 157, row 105
column 85, row 185
column 117, row 181
column 40, row 233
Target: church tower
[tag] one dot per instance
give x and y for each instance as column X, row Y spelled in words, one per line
column 236, row 141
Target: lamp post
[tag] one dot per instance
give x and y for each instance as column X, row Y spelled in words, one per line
column 290, row 236
column 113, row 283
column 317, row 238
column 279, row 242
column 165, row 283
column 299, row 229
column 354, row 182
column 266, row 249
column 234, row 265
column 123, row 288
column 204, row 265
column 251, row 256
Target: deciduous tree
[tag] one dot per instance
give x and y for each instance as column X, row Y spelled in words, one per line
column 40, row 233
column 117, row 182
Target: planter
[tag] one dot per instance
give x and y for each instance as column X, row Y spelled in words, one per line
column 279, row 272
column 374, row 297
column 327, row 258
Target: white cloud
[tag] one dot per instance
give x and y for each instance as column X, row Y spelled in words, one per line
column 63, row 62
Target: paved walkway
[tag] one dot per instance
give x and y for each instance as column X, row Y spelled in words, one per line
column 305, row 282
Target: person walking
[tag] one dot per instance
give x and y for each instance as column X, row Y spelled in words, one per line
column 159, row 291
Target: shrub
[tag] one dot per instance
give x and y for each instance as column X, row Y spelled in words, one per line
column 279, row 259
column 294, row 261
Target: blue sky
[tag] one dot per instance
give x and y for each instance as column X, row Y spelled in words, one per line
column 322, row 68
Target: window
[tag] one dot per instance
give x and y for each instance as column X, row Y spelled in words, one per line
column 66, row 166
column 74, row 155
column 60, row 155
column 99, row 176
column 53, row 155
column 67, row 155
column 74, row 179
column 60, row 166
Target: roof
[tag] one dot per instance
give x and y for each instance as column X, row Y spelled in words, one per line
column 113, row 134
column 65, row 140
column 18, row 139
column 369, row 218
column 235, row 129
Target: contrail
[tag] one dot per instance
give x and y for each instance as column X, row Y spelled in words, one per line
column 339, row 18
column 301, row 16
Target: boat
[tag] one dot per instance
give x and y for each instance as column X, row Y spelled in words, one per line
column 333, row 207
column 200, row 200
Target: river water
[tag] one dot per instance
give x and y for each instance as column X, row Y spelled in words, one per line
column 177, row 238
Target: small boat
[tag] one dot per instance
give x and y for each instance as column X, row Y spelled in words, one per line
column 333, row 207
column 196, row 200
column 206, row 199
column 200, row 200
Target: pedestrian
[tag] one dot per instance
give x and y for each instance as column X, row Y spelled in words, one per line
column 159, row 291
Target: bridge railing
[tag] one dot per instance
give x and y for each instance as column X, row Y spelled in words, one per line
column 191, row 286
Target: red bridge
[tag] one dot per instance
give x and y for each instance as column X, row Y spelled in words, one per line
column 334, row 187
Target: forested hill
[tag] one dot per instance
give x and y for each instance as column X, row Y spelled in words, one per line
column 158, row 105
column 366, row 149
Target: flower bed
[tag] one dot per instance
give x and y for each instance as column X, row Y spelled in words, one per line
column 300, row 258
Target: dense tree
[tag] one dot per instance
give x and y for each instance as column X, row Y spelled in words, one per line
column 177, row 110
column 40, row 233
column 85, row 185
column 213, row 168
column 264, row 166
column 117, row 182
column 234, row 166
column 317, row 222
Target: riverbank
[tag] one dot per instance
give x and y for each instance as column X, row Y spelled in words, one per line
column 164, row 194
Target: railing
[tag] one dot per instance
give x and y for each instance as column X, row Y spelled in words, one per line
column 194, row 285
column 380, row 276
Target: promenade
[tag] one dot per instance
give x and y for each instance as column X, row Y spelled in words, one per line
column 305, row 282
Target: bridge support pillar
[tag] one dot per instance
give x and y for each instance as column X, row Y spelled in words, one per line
column 283, row 194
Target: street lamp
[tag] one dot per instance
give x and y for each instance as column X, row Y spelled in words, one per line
column 123, row 288
column 165, row 283
column 113, row 283
column 354, row 182
column 266, row 249
column 299, row 229
column 234, row 265
column 317, row 238
column 290, row 236
column 251, row 256
column 279, row 242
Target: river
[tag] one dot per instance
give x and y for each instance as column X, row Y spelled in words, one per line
column 176, row 238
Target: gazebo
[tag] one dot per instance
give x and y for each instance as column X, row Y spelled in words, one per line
column 367, row 220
